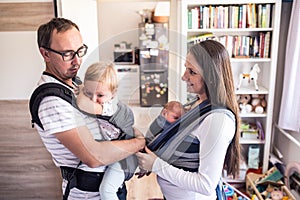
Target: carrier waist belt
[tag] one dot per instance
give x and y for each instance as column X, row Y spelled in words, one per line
column 83, row 180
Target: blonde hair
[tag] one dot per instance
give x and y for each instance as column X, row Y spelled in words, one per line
column 103, row 72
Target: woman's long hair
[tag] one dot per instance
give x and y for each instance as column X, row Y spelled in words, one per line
column 214, row 61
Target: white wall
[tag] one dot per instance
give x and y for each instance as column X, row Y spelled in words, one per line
column 288, row 149
column 85, row 14
column 20, row 64
column 118, row 21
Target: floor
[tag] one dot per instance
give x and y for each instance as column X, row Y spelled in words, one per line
column 26, row 168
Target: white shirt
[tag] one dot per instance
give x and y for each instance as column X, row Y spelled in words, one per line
column 214, row 133
column 57, row 115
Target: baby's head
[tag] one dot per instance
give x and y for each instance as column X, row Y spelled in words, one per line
column 172, row 111
column 100, row 82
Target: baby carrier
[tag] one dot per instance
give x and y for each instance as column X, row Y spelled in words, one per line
column 167, row 142
column 54, row 89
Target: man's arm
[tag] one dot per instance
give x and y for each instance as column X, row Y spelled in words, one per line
column 80, row 142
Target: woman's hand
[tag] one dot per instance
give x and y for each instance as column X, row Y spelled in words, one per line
column 146, row 160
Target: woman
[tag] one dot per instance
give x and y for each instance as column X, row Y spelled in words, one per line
column 190, row 167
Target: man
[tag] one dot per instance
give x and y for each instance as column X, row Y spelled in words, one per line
column 64, row 131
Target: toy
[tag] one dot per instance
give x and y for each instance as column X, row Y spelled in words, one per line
column 276, row 195
column 249, row 130
column 258, row 103
column 251, row 76
column 244, row 103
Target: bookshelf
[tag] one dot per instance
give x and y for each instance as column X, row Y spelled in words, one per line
column 250, row 32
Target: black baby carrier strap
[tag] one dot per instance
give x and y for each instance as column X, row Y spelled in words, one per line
column 58, row 90
column 83, row 180
column 45, row 90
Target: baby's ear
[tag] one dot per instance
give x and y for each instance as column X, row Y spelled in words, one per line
column 163, row 112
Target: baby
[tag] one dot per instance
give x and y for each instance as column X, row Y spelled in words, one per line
column 171, row 112
column 113, row 118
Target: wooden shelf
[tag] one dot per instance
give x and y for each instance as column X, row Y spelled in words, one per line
column 251, row 90
column 251, row 141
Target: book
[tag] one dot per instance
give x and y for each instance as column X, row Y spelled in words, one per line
column 259, row 16
column 263, row 16
column 261, row 44
column 249, row 16
column 268, row 15
column 198, row 38
column 195, row 18
column 267, row 45
column 189, row 19
column 254, row 16
column 201, row 8
column 244, row 15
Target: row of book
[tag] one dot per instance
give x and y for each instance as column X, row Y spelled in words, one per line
column 240, row 46
column 231, row 16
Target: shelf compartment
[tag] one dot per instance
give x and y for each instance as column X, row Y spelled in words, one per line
column 251, row 141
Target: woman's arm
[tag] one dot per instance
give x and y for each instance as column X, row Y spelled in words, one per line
column 214, row 134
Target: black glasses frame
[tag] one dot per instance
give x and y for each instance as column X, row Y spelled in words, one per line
column 63, row 54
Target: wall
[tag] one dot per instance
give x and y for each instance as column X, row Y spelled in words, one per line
column 118, row 21
column 20, row 63
column 287, row 148
column 85, row 14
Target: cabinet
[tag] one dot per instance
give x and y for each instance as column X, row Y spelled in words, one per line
column 233, row 24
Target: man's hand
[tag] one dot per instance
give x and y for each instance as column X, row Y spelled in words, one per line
column 142, row 173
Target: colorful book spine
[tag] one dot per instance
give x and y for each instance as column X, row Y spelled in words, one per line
column 267, row 45
column 189, row 19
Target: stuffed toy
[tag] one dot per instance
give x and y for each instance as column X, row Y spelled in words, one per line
column 276, row 195
column 258, row 103
column 244, row 103
column 251, row 76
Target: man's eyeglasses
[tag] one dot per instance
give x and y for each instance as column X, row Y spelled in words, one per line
column 70, row 55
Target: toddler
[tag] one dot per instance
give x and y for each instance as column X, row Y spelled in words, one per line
column 114, row 119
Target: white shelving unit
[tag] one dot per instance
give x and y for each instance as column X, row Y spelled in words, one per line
column 266, row 80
